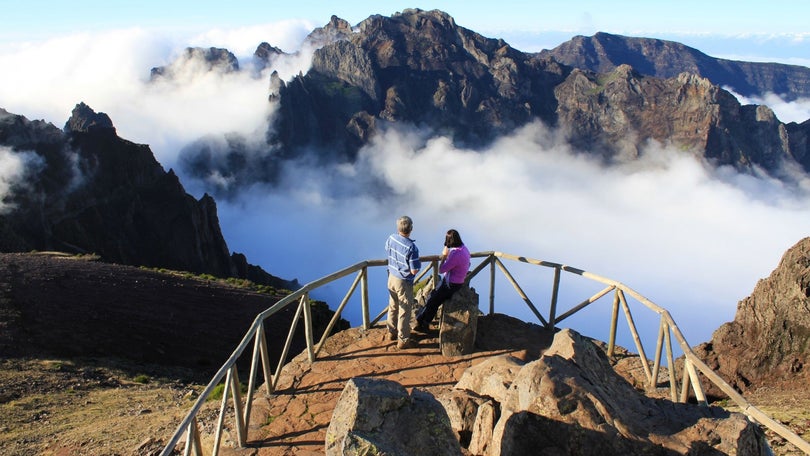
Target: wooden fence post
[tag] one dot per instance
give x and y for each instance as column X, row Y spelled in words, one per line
column 552, row 313
column 614, row 320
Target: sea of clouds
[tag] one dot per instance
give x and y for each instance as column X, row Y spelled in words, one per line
column 691, row 238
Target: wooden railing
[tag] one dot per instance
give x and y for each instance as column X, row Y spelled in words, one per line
column 494, row 260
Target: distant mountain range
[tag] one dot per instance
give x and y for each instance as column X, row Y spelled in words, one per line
column 87, row 190
column 609, row 95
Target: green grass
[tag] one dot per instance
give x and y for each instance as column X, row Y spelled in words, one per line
column 218, row 391
column 236, row 282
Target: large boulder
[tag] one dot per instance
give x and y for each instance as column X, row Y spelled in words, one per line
column 377, row 416
column 570, row 401
column 459, row 323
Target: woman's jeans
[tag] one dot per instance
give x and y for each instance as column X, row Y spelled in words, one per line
column 437, row 298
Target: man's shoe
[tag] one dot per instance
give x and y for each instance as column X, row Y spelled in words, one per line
column 423, row 328
column 392, row 336
column 404, row 344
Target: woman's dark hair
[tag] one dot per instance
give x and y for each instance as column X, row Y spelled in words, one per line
column 452, row 239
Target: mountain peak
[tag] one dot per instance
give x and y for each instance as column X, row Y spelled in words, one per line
column 84, row 119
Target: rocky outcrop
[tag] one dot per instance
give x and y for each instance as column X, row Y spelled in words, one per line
column 94, row 192
column 265, row 54
column 618, row 113
column 417, row 67
column 336, row 29
column 768, row 343
column 799, row 137
column 570, row 401
column 604, row 52
column 378, row 416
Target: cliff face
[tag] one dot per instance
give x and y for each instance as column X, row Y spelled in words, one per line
column 616, row 113
column 94, row 192
column 769, row 340
column 421, row 69
column 416, row 67
column 611, row 95
column 603, row 52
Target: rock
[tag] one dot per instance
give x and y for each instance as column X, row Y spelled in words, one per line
column 570, row 401
column 265, row 55
column 491, row 377
column 419, row 68
column 769, row 340
column 377, row 416
column 336, row 29
column 605, row 114
column 195, row 61
column 459, row 323
column 84, row 119
column 485, row 419
column 462, row 410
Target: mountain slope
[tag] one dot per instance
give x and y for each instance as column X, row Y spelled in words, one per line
column 86, row 190
column 603, row 52
column 420, row 70
column 75, row 306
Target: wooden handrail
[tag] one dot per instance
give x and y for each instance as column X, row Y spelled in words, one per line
column 256, row 335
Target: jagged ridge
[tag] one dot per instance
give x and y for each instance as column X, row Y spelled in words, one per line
column 419, row 68
column 95, row 192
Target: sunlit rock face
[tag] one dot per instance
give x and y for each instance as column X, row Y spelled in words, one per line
column 419, row 70
column 603, row 52
column 769, row 340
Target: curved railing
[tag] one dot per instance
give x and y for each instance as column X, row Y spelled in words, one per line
column 256, row 335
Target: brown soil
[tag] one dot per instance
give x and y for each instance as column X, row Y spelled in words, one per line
column 128, row 401
column 78, row 337
column 88, row 406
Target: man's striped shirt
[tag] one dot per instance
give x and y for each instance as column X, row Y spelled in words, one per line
column 403, row 256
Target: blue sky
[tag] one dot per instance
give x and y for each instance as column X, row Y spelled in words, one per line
column 777, row 29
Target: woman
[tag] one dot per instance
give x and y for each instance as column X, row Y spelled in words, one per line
column 454, row 266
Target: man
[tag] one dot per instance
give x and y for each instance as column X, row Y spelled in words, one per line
column 403, row 265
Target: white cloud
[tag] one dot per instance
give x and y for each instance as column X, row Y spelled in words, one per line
column 690, row 238
column 794, row 111
column 110, row 72
column 14, row 169
column 286, row 35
